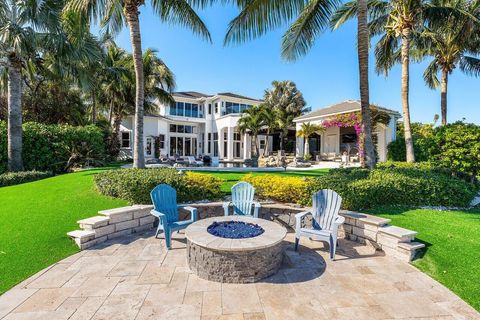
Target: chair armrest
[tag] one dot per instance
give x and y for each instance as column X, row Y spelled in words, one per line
column 257, row 204
column 339, row 221
column 225, row 205
column 193, row 211
column 162, row 217
column 298, row 219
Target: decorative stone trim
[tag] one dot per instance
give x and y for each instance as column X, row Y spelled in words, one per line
column 363, row 228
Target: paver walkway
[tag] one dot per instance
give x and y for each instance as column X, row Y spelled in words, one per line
column 135, row 278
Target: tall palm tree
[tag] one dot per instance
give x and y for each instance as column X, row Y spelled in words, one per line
column 252, row 121
column 312, row 17
column 114, row 14
column 270, row 123
column 453, row 43
column 306, row 130
column 29, row 30
column 287, row 103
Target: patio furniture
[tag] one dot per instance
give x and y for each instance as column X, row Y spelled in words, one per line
column 215, row 161
column 193, row 162
column 325, row 222
column 242, row 200
column 164, row 199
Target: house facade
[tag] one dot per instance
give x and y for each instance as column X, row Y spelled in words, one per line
column 338, row 139
column 198, row 124
column 201, row 124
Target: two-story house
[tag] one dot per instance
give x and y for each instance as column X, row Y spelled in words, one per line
column 198, row 124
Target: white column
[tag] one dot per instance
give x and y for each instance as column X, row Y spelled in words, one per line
column 205, row 141
column 230, row 143
column 246, row 146
column 300, row 145
column 220, row 144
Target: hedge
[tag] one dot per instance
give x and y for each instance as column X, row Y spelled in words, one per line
column 56, row 148
column 364, row 189
column 13, row 178
column 135, row 185
column 455, row 146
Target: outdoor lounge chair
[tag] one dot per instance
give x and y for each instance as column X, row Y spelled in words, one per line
column 215, row 162
column 242, row 200
column 193, row 162
column 326, row 220
column 164, row 199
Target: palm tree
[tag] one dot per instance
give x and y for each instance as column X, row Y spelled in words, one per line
column 252, row 121
column 452, row 43
column 29, row 30
column 312, row 18
column 287, row 103
column 114, row 14
column 306, row 130
column 270, row 123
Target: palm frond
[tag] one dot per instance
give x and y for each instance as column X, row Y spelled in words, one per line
column 387, row 53
column 430, row 75
column 180, row 12
column 344, row 13
column 301, row 35
column 470, row 65
column 257, row 17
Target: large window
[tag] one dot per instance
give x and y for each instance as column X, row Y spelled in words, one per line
column 161, row 141
column 233, row 107
column 149, row 147
column 186, row 109
column 180, row 128
column 183, row 146
column 125, row 143
column 215, row 144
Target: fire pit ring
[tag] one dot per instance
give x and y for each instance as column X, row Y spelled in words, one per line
column 223, row 257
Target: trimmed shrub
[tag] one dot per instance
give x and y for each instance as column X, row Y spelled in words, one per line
column 283, row 189
column 364, row 189
column 455, row 146
column 56, row 148
column 13, row 178
column 135, row 185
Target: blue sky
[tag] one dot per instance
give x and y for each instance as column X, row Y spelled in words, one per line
column 328, row 74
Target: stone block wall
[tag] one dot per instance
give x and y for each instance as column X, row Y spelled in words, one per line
column 363, row 228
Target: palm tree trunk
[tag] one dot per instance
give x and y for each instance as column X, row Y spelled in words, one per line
column 255, row 141
column 281, row 141
column 405, row 56
column 15, row 162
column 131, row 13
column 306, row 149
column 443, row 103
column 367, row 157
column 266, row 143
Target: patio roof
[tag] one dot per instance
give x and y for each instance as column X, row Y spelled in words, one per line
column 339, row 108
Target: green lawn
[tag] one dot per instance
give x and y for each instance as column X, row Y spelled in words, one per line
column 35, row 218
column 453, row 246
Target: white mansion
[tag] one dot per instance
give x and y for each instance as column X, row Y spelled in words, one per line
column 201, row 124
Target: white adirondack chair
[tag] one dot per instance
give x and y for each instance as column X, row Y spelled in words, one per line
column 215, row 161
column 326, row 220
column 242, row 200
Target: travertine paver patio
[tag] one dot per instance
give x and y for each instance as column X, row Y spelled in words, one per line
column 135, row 278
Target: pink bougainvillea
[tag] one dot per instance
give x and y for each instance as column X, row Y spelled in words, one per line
column 352, row 119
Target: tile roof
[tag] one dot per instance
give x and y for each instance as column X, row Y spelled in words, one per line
column 191, row 94
column 234, row 95
column 342, row 107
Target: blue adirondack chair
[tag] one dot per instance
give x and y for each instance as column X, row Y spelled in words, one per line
column 326, row 220
column 242, row 200
column 164, row 199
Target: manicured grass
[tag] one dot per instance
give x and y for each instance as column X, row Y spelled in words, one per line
column 452, row 256
column 231, row 177
column 35, row 218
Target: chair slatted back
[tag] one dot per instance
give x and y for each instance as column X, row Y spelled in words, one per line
column 242, row 198
column 164, row 199
column 326, row 205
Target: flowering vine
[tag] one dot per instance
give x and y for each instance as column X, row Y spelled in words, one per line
column 353, row 119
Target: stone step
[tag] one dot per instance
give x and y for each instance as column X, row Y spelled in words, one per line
column 360, row 219
column 411, row 246
column 93, row 222
column 402, row 234
column 81, row 236
column 126, row 213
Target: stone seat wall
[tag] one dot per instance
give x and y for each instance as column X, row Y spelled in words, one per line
column 362, row 228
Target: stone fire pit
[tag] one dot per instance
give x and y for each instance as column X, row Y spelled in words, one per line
column 215, row 255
